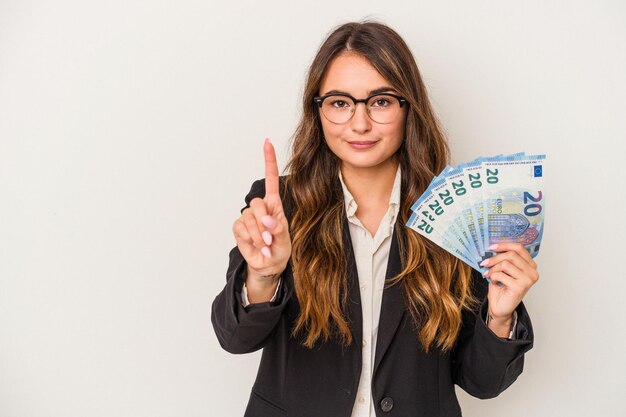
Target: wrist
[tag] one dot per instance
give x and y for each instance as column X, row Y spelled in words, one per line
column 499, row 321
column 501, row 325
column 261, row 280
column 260, row 288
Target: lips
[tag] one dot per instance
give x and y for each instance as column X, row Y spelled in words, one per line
column 362, row 144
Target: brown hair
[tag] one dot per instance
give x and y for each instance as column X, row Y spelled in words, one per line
column 437, row 287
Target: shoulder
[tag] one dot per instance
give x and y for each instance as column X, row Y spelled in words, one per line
column 257, row 190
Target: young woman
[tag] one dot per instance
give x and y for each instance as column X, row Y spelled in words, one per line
column 358, row 315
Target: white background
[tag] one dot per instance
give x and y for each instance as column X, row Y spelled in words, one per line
column 130, row 131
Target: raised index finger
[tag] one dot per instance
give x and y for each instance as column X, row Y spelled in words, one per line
column 271, row 169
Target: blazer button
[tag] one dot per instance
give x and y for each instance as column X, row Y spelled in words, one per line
column 386, row 404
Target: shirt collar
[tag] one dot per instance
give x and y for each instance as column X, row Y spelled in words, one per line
column 394, row 199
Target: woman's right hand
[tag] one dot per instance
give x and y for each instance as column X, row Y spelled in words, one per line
column 262, row 230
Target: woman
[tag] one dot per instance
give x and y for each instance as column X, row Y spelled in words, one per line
column 358, row 315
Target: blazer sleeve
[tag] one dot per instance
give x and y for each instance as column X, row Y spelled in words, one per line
column 484, row 365
column 242, row 329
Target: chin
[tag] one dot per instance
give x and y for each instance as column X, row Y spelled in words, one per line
column 363, row 163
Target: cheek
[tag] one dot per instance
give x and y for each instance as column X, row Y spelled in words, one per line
column 332, row 132
column 396, row 132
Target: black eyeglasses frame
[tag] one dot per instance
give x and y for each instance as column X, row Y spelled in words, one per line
column 320, row 100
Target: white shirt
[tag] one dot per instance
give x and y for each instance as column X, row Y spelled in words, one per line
column 371, row 254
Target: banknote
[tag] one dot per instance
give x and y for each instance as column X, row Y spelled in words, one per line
column 436, row 209
column 516, row 215
column 468, row 208
column 515, row 203
column 419, row 225
column 453, row 193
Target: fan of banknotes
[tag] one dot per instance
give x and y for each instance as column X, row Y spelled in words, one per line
column 489, row 200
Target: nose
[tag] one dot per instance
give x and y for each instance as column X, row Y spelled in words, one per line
column 360, row 121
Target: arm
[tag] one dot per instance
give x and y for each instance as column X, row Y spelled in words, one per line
column 262, row 257
column 484, row 365
column 242, row 329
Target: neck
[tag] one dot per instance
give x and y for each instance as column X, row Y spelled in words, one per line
column 370, row 184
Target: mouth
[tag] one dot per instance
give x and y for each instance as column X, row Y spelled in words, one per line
column 362, row 144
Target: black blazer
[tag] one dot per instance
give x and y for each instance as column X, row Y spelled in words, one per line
column 295, row 381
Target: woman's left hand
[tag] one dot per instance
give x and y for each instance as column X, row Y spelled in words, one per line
column 516, row 270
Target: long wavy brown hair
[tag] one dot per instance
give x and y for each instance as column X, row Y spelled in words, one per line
column 437, row 286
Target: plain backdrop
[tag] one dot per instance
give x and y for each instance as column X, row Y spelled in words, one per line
column 130, row 132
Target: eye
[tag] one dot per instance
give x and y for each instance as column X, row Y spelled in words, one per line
column 339, row 104
column 380, row 102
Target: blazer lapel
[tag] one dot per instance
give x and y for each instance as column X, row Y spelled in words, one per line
column 392, row 308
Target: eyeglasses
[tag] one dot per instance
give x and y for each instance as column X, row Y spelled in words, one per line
column 338, row 108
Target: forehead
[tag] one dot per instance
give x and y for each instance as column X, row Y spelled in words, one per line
column 353, row 74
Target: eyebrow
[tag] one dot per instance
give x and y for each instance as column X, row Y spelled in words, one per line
column 375, row 91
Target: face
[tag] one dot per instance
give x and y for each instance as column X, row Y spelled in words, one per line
column 360, row 143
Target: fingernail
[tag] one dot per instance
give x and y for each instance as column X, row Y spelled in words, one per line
column 267, row 140
column 266, row 252
column 267, row 237
column 268, row 221
column 485, row 262
column 493, row 247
